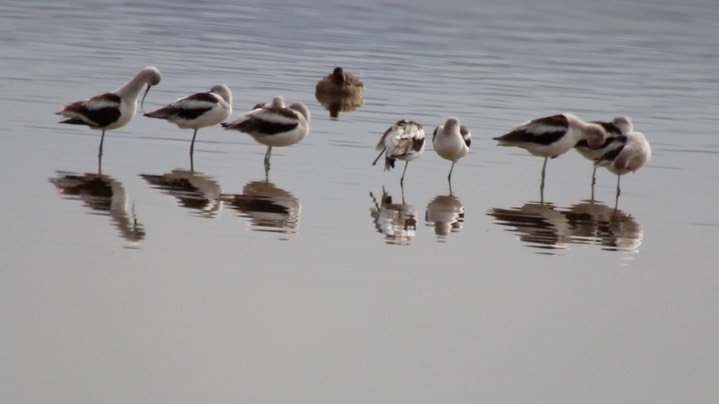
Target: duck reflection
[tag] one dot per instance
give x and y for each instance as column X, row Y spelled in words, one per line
column 586, row 222
column 597, row 223
column 193, row 190
column 397, row 221
column 104, row 195
column 268, row 207
column 338, row 102
column 446, row 214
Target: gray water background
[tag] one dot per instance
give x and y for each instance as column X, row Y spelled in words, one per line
column 311, row 294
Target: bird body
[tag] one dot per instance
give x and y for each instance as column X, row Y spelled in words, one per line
column 552, row 136
column 625, row 154
column 404, row 141
column 197, row 111
column 111, row 110
column 451, row 141
column 619, row 126
column 274, row 125
column 339, row 82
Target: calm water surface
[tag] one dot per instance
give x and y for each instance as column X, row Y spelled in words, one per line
column 143, row 281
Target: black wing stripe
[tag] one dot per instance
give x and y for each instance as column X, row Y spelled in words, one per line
column 191, row 113
column 265, row 127
column 207, row 97
column 610, row 128
column 612, row 153
column 417, row 144
column 521, row 136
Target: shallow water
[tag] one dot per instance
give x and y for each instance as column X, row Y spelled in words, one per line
column 141, row 281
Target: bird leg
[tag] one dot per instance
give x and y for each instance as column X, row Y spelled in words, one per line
column 192, row 152
column 102, row 139
column 192, row 145
column 449, row 177
column 267, row 159
column 594, row 180
column 541, row 185
column 594, row 176
column 401, row 180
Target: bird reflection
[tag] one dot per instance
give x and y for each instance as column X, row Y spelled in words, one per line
column 268, row 207
column 600, row 224
column 104, row 195
column 397, row 221
column 193, row 190
column 587, row 222
column 446, row 214
column 538, row 224
column 337, row 102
